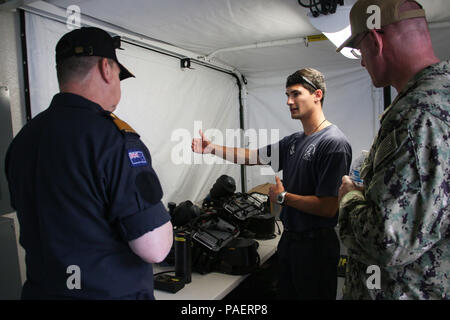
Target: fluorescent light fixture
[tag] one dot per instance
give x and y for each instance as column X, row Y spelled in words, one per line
column 338, row 38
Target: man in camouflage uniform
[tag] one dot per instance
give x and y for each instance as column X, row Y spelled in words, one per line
column 399, row 220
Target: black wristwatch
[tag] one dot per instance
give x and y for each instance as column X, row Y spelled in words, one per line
column 281, row 197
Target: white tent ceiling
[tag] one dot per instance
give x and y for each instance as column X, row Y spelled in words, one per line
column 203, row 26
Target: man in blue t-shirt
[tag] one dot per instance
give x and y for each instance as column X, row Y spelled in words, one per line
column 313, row 162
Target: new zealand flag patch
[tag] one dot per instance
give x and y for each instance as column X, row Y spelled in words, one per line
column 137, row 158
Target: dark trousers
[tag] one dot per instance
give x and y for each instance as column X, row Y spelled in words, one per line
column 308, row 265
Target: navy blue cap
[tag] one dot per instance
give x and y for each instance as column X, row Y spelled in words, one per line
column 90, row 41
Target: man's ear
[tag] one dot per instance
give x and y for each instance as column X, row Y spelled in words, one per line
column 377, row 41
column 318, row 95
column 105, row 70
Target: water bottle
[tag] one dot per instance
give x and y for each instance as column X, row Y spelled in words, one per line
column 355, row 171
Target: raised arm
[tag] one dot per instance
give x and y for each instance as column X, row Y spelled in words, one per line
column 237, row 155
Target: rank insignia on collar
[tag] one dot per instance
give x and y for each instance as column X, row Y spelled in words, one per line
column 121, row 125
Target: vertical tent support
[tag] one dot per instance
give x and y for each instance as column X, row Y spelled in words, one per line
column 26, row 83
column 387, row 97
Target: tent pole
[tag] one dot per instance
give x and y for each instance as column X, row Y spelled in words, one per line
column 275, row 43
column 26, row 82
column 387, row 97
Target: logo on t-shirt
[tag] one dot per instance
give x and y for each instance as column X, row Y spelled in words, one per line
column 309, row 153
column 292, row 149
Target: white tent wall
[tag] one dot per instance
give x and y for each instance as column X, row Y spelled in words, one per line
column 164, row 104
column 11, row 75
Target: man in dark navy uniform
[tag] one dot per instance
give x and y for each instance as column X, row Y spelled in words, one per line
column 87, row 198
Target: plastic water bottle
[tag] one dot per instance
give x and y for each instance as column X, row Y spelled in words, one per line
column 355, row 170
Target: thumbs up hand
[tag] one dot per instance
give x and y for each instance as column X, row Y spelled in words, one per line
column 201, row 145
column 275, row 189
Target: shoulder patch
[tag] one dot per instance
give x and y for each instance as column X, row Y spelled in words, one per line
column 386, row 148
column 121, row 125
column 137, row 158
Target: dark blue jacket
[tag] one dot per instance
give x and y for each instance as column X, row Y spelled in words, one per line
column 83, row 189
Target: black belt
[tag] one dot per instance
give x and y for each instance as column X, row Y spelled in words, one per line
column 308, row 234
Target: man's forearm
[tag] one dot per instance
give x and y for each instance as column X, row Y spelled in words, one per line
column 319, row 206
column 236, row 155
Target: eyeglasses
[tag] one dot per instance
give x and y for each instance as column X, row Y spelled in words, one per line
column 357, row 52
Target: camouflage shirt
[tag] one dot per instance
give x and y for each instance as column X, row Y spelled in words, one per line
column 400, row 222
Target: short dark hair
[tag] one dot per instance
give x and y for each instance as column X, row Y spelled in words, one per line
column 312, row 75
column 76, row 67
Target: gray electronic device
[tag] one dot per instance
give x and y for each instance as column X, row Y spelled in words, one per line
column 215, row 234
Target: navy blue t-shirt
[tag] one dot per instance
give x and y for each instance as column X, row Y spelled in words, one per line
column 82, row 190
column 312, row 166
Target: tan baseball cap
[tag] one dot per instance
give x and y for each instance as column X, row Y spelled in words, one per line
column 389, row 13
